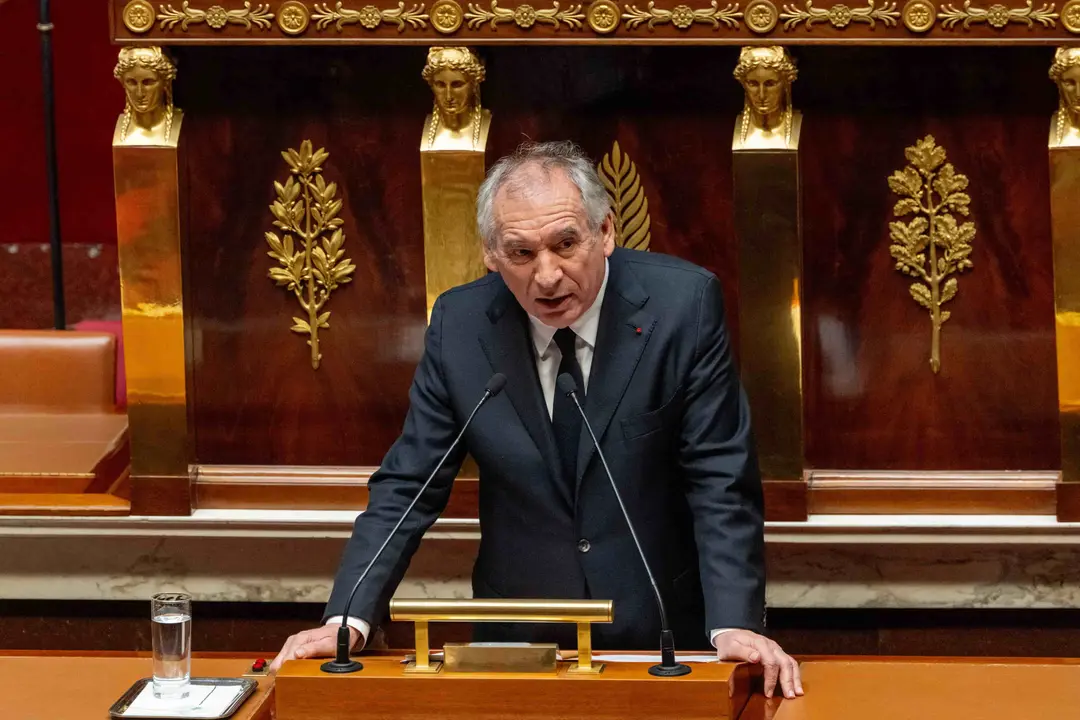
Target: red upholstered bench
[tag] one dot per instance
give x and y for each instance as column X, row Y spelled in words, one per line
column 60, row 431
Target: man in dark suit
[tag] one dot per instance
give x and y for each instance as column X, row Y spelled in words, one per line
column 643, row 335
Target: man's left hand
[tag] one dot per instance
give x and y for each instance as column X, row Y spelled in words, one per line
column 746, row 646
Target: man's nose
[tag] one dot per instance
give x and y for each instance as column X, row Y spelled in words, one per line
column 549, row 270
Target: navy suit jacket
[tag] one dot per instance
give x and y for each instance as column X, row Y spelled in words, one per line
column 671, row 416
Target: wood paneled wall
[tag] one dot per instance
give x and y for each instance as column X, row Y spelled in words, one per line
column 871, row 400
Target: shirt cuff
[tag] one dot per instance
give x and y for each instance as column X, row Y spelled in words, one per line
column 361, row 627
column 712, row 635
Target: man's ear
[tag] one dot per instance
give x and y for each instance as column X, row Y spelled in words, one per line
column 489, row 261
column 607, row 232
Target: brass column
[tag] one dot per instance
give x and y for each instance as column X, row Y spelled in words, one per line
column 1064, row 152
column 451, row 169
column 146, row 173
column 765, row 163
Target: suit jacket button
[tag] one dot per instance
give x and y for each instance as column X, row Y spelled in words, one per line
column 583, row 545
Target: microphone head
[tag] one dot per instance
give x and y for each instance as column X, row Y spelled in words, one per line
column 566, row 384
column 496, row 384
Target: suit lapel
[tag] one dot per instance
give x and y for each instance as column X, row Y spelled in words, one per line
column 623, row 333
column 508, row 348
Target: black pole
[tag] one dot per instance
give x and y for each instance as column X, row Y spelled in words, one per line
column 45, row 27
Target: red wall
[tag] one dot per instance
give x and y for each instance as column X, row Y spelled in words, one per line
column 88, row 101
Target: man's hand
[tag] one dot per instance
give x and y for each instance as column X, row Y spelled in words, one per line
column 746, row 646
column 317, row 642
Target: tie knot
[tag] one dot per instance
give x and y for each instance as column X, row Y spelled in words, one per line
column 564, row 338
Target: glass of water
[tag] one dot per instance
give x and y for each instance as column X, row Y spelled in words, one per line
column 171, row 615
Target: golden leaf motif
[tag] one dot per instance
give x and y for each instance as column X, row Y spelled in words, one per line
column 320, row 267
column 932, row 246
column 620, row 177
column 216, row 16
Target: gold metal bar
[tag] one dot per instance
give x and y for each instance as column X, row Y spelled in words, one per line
column 584, row 665
column 423, row 663
column 768, row 224
column 1065, row 225
column 546, row 611
column 149, row 237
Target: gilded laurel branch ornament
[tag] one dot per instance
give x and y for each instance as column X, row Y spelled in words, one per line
column 525, row 16
column 215, row 16
column 683, row 16
column 839, row 15
column 997, row 16
column 369, row 16
column 631, row 208
column 932, row 246
column 307, row 209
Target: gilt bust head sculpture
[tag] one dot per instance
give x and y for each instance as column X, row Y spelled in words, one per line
column 766, row 75
column 457, row 121
column 1065, row 71
column 146, row 74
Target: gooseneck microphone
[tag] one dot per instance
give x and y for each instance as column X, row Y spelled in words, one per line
column 668, row 666
column 342, row 663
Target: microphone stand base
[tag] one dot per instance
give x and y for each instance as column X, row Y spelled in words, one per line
column 340, row 668
column 676, row 670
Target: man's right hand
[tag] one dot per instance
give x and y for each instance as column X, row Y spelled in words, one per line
column 317, row 642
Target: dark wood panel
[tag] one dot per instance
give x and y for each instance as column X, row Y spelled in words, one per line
column 256, row 399
column 923, row 493
column 872, row 400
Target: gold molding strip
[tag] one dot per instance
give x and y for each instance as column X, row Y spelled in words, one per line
column 932, row 246
column 525, row 16
column 997, row 15
column 628, row 200
column 215, row 16
column 369, row 16
column 840, row 15
column 602, row 17
column 682, row 16
column 306, row 207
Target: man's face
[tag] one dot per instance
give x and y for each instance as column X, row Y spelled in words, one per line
column 545, row 252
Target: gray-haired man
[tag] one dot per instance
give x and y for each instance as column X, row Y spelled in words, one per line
column 643, row 335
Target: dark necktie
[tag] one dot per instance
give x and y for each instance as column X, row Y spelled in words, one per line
column 565, row 418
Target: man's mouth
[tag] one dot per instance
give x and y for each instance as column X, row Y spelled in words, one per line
column 553, row 303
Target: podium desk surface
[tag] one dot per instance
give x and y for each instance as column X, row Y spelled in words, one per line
column 930, row 689
column 69, row 686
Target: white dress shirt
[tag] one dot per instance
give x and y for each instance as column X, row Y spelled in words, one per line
column 548, row 357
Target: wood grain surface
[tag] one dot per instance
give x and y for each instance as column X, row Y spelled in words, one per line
column 67, row 687
column 933, row 690
column 623, row 691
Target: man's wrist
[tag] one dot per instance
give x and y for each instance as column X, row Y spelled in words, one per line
column 712, row 635
column 361, row 626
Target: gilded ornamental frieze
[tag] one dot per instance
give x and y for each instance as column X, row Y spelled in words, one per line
column 552, row 20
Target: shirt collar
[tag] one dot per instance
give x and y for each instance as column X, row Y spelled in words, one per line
column 585, row 327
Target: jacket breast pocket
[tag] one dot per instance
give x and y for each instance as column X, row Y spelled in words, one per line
column 639, row 426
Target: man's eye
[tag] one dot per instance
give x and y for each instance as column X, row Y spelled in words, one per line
column 566, row 244
column 520, row 253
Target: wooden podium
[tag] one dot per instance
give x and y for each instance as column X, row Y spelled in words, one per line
column 623, row 691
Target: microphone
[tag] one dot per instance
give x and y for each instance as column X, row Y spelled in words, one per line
column 668, row 666
column 342, row 663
